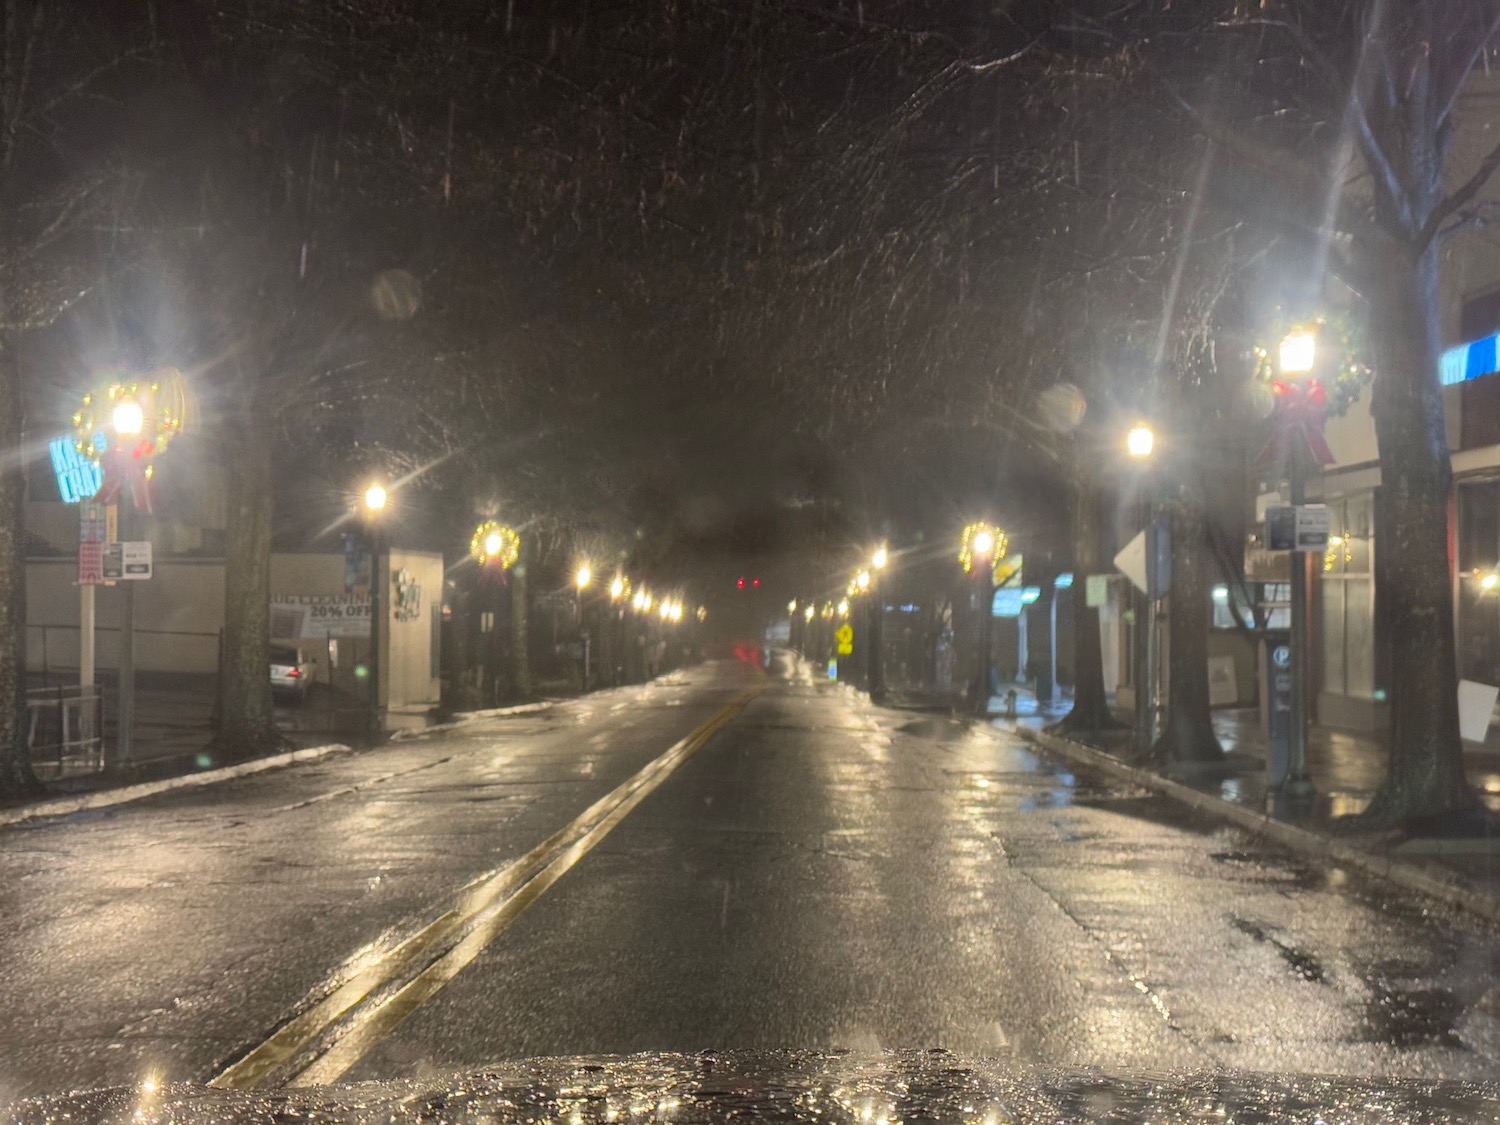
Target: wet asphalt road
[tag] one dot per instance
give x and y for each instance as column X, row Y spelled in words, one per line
column 820, row 874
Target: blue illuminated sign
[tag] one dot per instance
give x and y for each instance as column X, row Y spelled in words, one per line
column 78, row 478
column 1007, row 602
column 1469, row 361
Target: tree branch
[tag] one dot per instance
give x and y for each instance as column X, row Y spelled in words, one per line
column 1460, row 198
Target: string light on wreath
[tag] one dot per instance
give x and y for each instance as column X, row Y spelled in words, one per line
column 495, row 544
column 1338, row 347
column 127, row 424
column 982, row 541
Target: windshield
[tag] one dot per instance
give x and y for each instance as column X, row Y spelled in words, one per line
column 797, row 525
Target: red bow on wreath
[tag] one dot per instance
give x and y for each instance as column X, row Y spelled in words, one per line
column 122, row 467
column 1299, row 415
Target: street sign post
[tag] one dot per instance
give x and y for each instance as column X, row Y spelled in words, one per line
column 1147, row 561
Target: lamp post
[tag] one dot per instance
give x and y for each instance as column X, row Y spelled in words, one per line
column 375, row 500
column 497, row 547
column 619, row 589
column 128, row 420
column 1297, row 357
column 1140, row 445
column 982, row 545
column 123, row 428
column 581, row 579
column 876, row 671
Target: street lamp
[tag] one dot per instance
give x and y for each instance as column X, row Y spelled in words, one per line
column 583, row 576
column 128, row 418
column 375, row 501
column 1298, row 356
column 862, row 581
column 982, row 545
column 1140, row 444
column 875, row 612
column 1140, row 441
column 1298, row 352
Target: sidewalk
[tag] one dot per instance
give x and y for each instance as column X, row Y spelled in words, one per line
column 174, row 726
column 1346, row 767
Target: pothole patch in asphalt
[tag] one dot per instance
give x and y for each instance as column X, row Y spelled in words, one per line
column 1304, row 964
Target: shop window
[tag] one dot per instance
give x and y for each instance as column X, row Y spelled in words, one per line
column 1478, row 597
column 1349, row 599
column 1479, row 316
column 1230, row 609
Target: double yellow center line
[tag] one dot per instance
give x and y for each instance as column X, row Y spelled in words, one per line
column 332, row 1032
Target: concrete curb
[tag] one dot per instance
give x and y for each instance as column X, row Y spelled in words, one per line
column 466, row 717
column 1451, row 890
column 105, row 798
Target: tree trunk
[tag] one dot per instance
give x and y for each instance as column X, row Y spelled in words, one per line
column 1426, row 755
column 521, row 649
column 16, row 776
column 247, row 721
column 1188, row 730
column 1090, row 711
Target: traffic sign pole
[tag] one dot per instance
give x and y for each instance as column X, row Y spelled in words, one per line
column 1299, row 783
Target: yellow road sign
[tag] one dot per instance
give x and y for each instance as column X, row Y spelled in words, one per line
column 845, row 638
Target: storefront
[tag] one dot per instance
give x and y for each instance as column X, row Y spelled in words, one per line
column 1350, row 690
column 1478, row 598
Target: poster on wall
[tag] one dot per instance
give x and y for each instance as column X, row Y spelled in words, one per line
column 319, row 615
column 1223, row 691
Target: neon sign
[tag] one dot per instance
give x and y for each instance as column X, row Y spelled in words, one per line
column 78, row 477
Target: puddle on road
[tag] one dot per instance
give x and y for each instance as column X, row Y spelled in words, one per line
column 936, row 729
column 1412, row 1018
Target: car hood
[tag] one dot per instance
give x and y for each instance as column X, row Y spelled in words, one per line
column 791, row 1086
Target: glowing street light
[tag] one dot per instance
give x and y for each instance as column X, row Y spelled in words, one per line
column 982, row 547
column 1298, row 352
column 128, row 418
column 843, row 607
column 375, row 497
column 1140, row 441
column 809, row 613
column 494, row 543
column 1490, row 581
column 862, row 581
column 880, row 558
column 583, row 576
column 617, row 587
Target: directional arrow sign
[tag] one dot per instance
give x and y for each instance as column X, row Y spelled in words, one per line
column 1147, row 560
column 1131, row 561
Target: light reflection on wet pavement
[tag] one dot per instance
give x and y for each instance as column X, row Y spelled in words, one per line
column 822, row 874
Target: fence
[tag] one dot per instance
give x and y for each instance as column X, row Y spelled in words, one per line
column 52, row 650
column 65, row 730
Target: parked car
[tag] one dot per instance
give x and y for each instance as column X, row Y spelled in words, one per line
column 291, row 672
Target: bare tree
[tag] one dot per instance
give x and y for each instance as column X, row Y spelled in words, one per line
column 53, row 63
